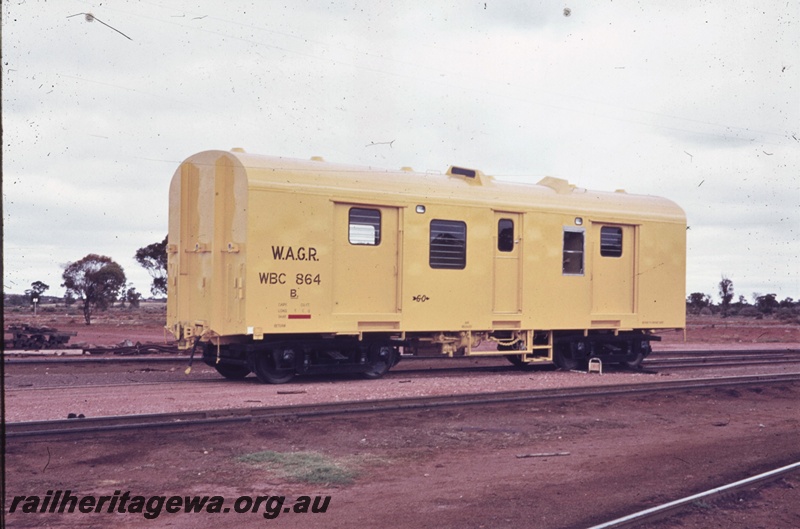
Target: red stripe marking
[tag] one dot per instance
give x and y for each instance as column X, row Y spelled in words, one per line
column 299, row 316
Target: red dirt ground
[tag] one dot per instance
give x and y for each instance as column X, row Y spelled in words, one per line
column 452, row 468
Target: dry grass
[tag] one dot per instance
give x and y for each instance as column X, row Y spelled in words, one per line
column 306, row 467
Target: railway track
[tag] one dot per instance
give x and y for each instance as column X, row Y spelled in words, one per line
column 660, row 512
column 135, row 354
column 214, row 417
column 712, row 352
column 721, row 359
column 19, row 358
column 169, row 370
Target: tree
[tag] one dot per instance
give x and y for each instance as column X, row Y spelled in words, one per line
column 726, row 294
column 153, row 258
column 37, row 289
column 69, row 299
column 767, row 303
column 132, row 297
column 96, row 280
column 697, row 301
column 742, row 301
column 124, row 290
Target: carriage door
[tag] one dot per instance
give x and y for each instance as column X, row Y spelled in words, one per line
column 507, row 263
column 613, row 279
column 366, row 258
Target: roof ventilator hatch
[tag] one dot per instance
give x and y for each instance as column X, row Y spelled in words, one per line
column 471, row 176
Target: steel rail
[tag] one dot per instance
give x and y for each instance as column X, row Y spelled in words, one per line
column 79, row 360
column 661, row 511
column 32, row 429
column 720, row 357
column 648, row 364
column 211, row 380
column 9, row 357
column 712, row 352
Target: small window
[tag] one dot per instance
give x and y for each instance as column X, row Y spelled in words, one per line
column 448, row 244
column 572, row 263
column 505, row 235
column 365, row 226
column 610, row 241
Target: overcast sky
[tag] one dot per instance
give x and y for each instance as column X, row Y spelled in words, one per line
column 698, row 102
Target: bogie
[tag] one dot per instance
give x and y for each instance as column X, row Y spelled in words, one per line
column 280, row 362
column 628, row 350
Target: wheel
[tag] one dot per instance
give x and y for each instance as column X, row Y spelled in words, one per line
column 386, row 359
column 232, row 372
column 267, row 371
column 517, row 361
column 636, row 363
column 562, row 357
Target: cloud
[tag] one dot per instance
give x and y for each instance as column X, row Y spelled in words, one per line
column 691, row 102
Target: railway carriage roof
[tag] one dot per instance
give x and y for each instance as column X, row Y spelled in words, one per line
column 368, row 184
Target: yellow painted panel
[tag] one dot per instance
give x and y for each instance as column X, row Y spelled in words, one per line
column 613, row 277
column 507, row 274
column 462, row 298
column 265, row 243
column 289, row 261
column 366, row 260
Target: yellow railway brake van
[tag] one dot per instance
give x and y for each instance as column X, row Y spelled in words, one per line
column 283, row 267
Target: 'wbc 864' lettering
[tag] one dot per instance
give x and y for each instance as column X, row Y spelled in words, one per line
column 275, row 278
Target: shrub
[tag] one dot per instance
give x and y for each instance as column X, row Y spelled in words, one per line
column 749, row 312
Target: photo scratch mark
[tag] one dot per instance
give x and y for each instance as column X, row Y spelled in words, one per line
column 373, row 143
column 91, row 18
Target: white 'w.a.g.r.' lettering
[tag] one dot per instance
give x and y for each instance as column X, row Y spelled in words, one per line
column 294, row 253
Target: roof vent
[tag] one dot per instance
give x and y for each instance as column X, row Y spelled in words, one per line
column 462, row 171
column 559, row 185
column 472, row 176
